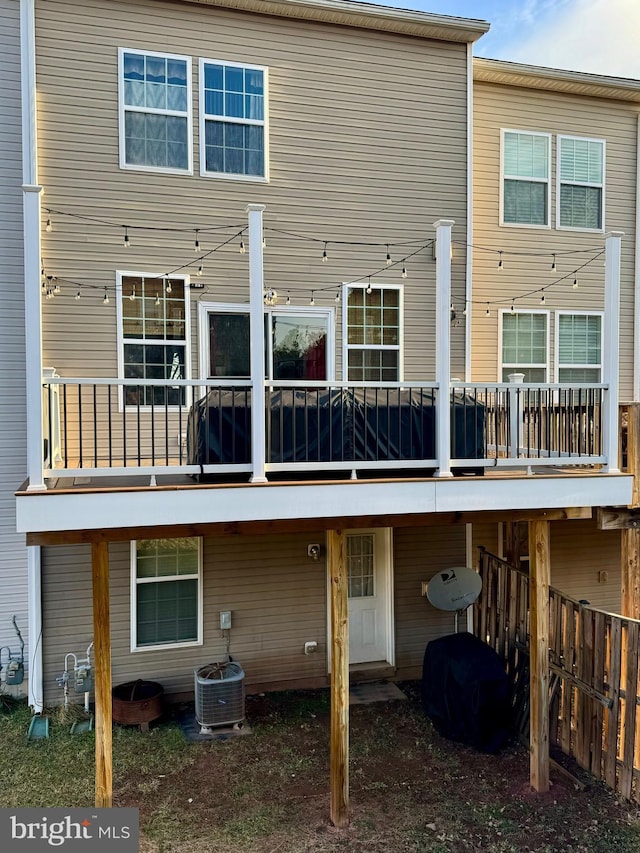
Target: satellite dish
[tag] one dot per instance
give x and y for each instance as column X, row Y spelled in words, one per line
column 454, row 589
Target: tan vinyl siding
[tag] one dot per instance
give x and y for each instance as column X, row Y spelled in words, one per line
column 13, row 554
column 507, row 107
column 485, row 535
column 419, row 554
column 367, row 143
column 276, row 594
column 579, row 553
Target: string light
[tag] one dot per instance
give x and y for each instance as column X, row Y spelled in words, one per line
column 126, row 242
column 500, row 264
column 388, row 256
column 513, row 309
column 200, row 269
column 369, row 289
column 325, row 257
column 242, row 249
column 404, row 269
column 48, row 226
column 575, row 284
column 196, row 242
column 542, row 299
column 487, row 313
column 132, row 295
column 105, row 300
column 554, row 266
column 337, row 297
column 452, row 308
column 157, row 298
column 312, row 301
column 464, row 310
column 288, row 301
column 168, row 287
column 56, row 288
column 78, row 296
column 264, row 242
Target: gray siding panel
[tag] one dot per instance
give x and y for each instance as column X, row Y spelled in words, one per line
column 13, row 554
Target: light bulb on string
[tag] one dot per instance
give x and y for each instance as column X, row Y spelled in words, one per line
column 126, row 242
column 487, row 313
column 132, row 295
column 288, row 300
column 464, row 310
column 168, row 288
column 337, row 297
column 48, row 227
column 369, row 289
column 157, row 298
column 264, row 242
column 575, row 284
column 513, row 308
column 404, row 269
column 325, row 257
column 554, row 266
column 542, row 299
column 77, row 297
column 312, row 301
column 388, row 256
column 241, row 248
column 105, row 300
column 56, row 287
column 500, row 264
column 196, row 242
column 200, row 269
column 452, row 308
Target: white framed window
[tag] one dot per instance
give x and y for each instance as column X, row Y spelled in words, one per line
column 579, row 346
column 153, row 336
column 233, row 120
column 155, row 109
column 580, row 190
column 524, row 345
column 299, row 342
column 166, row 593
column 525, row 165
column 372, row 333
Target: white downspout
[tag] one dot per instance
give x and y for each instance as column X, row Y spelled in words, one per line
column 256, row 323
column 468, row 295
column 611, row 348
column 33, row 331
column 443, row 345
column 636, row 279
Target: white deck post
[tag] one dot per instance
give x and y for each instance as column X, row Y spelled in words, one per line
column 32, row 251
column 34, row 603
column 611, row 348
column 443, row 345
column 256, row 282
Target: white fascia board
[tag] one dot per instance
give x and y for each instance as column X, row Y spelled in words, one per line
column 51, row 512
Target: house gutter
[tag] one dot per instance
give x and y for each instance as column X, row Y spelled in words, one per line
column 31, row 192
column 468, row 295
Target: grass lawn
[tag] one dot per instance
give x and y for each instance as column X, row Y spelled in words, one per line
column 411, row 790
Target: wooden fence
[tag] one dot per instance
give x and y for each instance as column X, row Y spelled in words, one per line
column 593, row 663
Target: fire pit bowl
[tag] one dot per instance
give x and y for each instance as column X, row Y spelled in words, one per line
column 137, row 703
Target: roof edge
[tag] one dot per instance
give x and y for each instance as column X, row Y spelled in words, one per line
column 364, row 16
column 555, row 79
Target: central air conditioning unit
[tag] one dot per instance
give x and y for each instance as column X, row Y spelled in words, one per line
column 219, row 691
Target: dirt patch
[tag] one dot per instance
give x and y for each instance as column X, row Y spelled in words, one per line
column 411, row 790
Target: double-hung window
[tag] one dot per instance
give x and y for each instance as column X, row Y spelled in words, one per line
column 153, row 328
column 580, row 183
column 155, row 111
column 233, row 132
column 525, row 345
column 373, row 333
column 579, row 347
column 166, row 594
column 526, row 161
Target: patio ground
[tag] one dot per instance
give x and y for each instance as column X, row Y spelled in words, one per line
column 411, row 790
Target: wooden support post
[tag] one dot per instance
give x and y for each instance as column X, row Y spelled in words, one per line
column 539, row 628
column 339, row 811
column 630, row 551
column 102, row 653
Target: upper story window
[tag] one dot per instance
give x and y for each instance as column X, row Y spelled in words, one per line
column 373, row 333
column 525, row 345
column 155, row 111
column 233, row 132
column 579, row 347
column 525, row 178
column 580, row 183
column 153, row 331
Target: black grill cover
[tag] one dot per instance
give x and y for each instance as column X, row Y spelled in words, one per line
column 464, row 691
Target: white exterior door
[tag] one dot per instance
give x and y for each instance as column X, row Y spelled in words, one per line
column 369, row 571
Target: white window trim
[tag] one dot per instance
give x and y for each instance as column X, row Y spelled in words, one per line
column 204, row 308
column 120, row 274
column 559, row 182
column 501, row 364
column 399, row 347
column 133, row 568
column 556, row 357
column 203, row 118
column 121, row 112
column 546, row 181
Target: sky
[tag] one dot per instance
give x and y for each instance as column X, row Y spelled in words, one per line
column 598, row 36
